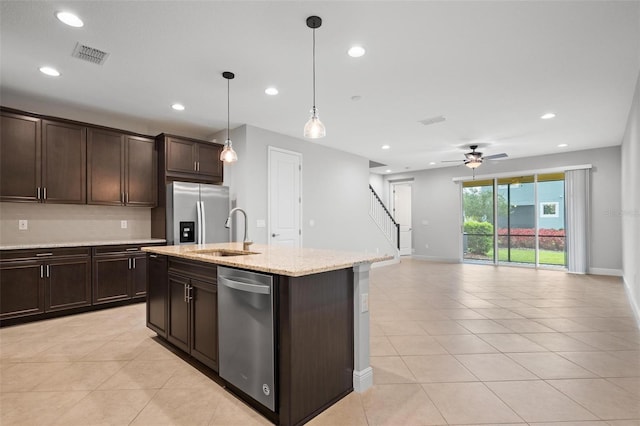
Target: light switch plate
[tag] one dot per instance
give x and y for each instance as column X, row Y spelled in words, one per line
column 364, row 303
column 23, row 225
column 123, row 224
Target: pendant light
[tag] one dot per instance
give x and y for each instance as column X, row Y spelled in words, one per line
column 314, row 128
column 228, row 155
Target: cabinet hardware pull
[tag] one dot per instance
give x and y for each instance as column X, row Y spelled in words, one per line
column 190, row 294
column 153, row 256
column 44, row 254
column 38, row 196
column 134, row 263
column 133, row 249
column 122, row 197
column 44, row 191
column 129, row 263
column 195, row 166
column 41, row 271
column 198, row 166
column 185, row 293
column 126, row 198
column 48, row 271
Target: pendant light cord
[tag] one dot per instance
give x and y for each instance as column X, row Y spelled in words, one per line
column 227, row 109
column 314, row 71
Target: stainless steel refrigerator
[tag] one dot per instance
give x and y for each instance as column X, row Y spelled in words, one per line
column 196, row 213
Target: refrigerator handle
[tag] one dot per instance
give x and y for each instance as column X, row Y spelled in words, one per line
column 204, row 222
column 199, row 224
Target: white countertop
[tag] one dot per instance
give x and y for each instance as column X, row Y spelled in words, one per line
column 80, row 244
column 293, row 262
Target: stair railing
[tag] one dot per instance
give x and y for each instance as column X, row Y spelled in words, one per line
column 385, row 221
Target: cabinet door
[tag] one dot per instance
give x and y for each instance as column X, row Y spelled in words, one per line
column 64, row 163
column 21, row 289
column 105, row 158
column 181, row 156
column 111, row 278
column 139, row 276
column 20, row 157
column 178, row 321
column 68, row 283
column 209, row 160
column 204, row 327
column 157, row 292
column 141, row 172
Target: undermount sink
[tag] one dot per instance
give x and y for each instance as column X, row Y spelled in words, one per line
column 223, row 252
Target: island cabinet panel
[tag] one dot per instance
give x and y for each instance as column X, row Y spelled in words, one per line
column 20, row 157
column 316, row 343
column 193, row 310
column 157, row 292
column 64, row 163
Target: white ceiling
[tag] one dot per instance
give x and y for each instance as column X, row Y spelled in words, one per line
column 492, row 68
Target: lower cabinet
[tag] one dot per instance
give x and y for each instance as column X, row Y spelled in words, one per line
column 157, row 294
column 119, row 273
column 193, row 311
column 38, row 281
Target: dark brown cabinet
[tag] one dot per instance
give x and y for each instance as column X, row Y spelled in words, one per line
column 42, row 160
column 193, row 310
column 38, row 281
column 20, row 157
column 122, row 169
column 190, row 159
column 119, row 273
column 157, row 292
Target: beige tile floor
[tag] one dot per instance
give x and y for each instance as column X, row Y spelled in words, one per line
column 450, row 344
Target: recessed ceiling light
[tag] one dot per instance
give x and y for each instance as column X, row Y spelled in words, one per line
column 178, row 107
column 433, row 163
column 563, row 145
column 356, row 51
column 548, row 116
column 385, row 147
column 70, row 19
column 271, row 91
column 50, row 71
column 388, row 171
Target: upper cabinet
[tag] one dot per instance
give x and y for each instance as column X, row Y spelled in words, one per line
column 122, row 169
column 190, row 159
column 42, row 160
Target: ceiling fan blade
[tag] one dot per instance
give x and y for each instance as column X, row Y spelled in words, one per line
column 452, row 161
column 495, row 156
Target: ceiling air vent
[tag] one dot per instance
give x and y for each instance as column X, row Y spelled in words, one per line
column 373, row 164
column 432, row 120
column 90, row 54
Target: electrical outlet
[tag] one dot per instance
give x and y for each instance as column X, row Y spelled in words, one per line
column 123, row 224
column 23, row 225
column 364, row 303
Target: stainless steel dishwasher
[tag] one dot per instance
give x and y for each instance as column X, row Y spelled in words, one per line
column 245, row 327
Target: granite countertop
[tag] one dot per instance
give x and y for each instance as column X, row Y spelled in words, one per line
column 80, row 244
column 293, row 262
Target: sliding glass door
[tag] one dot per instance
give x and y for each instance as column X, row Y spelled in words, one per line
column 478, row 219
column 515, row 220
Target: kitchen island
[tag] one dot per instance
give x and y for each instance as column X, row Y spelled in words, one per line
column 320, row 319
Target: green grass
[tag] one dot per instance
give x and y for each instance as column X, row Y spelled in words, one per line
column 547, row 257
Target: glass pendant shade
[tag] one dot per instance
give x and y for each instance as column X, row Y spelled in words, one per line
column 228, row 155
column 314, row 128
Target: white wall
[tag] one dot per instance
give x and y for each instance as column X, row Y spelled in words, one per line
column 335, row 193
column 630, row 212
column 436, row 204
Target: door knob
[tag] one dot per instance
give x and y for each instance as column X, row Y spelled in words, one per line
column 274, row 235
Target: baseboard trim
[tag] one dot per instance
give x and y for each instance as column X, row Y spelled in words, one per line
column 634, row 305
column 435, row 259
column 385, row 263
column 605, row 271
column 362, row 380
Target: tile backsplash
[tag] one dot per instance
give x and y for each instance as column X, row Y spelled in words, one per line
column 58, row 223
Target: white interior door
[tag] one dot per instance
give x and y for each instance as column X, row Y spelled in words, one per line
column 402, row 214
column 285, row 198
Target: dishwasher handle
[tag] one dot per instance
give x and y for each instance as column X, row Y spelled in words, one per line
column 241, row 284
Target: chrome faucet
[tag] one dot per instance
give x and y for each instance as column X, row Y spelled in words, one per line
column 245, row 242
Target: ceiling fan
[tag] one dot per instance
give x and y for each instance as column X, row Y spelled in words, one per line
column 474, row 159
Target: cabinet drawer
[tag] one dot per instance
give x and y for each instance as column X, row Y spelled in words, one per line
column 44, row 253
column 206, row 273
column 120, row 249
